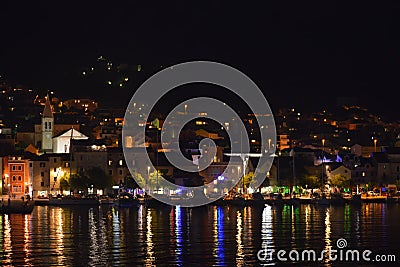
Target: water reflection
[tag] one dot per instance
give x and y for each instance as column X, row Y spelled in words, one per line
column 7, row 244
column 57, row 217
column 116, row 238
column 150, row 258
column 239, row 252
column 27, row 239
column 97, row 242
column 267, row 243
column 357, row 232
column 347, row 222
column 327, row 233
column 219, row 235
column 176, row 236
column 307, row 220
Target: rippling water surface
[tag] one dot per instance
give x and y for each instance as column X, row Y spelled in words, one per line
column 202, row 236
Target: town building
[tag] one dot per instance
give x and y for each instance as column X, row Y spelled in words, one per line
column 44, row 132
column 62, row 141
column 17, row 179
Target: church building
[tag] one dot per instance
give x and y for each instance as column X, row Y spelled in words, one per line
column 47, row 127
column 55, row 138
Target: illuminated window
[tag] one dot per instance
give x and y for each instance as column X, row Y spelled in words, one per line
column 17, row 188
column 120, row 162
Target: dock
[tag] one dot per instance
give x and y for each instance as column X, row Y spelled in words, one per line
column 16, row 206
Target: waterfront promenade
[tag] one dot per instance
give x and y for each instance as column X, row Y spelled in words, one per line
column 251, row 202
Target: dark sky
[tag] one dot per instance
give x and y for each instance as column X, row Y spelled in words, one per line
column 299, row 53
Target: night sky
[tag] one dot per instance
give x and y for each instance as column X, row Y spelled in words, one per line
column 300, row 53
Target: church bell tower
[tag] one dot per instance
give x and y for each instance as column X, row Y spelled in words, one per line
column 47, row 126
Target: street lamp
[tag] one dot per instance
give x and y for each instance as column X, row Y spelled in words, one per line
column 148, row 175
column 238, row 171
column 322, row 164
column 278, row 175
column 375, row 141
column 186, row 108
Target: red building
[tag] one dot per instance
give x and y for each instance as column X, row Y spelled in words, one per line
column 17, row 180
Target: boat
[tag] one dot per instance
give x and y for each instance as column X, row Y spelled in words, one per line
column 294, row 201
column 237, row 200
column 275, row 199
column 356, row 199
column 72, row 200
column 256, row 200
column 126, row 200
column 278, row 201
column 41, row 200
column 322, row 200
column 305, row 200
column 374, row 199
column 338, row 199
column 106, row 200
column 150, row 201
column 17, row 207
column 233, row 199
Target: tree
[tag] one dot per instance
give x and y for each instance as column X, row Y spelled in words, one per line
column 312, row 181
column 154, row 178
column 132, row 183
column 99, row 178
column 370, row 185
column 78, row 181
column 248, row 178
column 64, row 184
column 20, row 146
column 340, row 181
